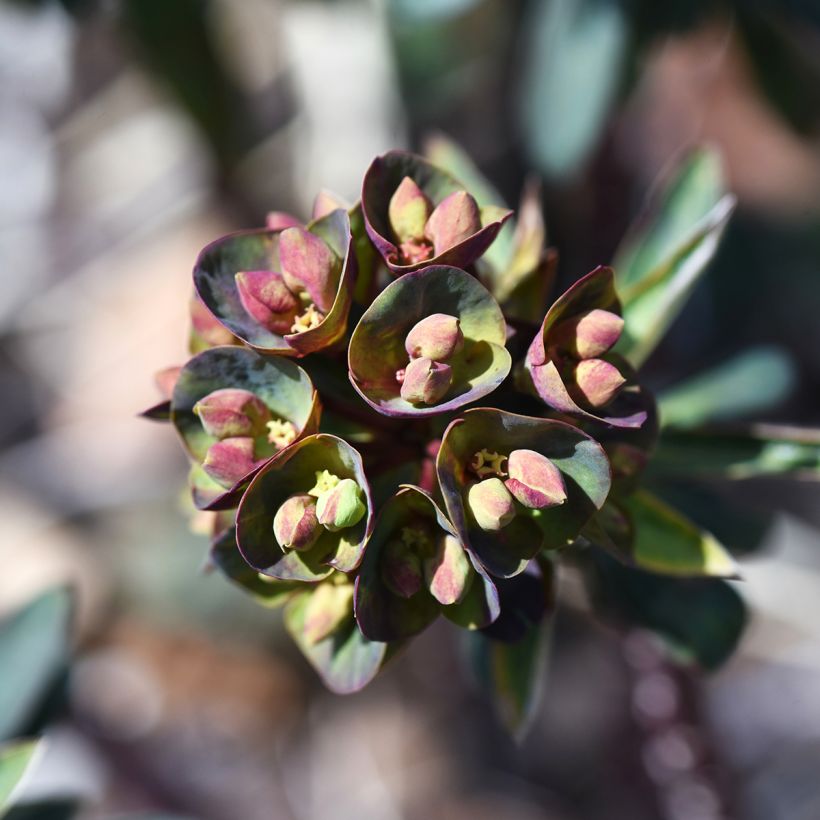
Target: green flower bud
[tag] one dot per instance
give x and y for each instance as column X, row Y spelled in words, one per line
column 534, row 480
column 491, row 504
column 408, row 211
column 426, row 381
column 598, row 381
column 588, row 335
column 437, row 337
column 454, row 219
column 342, row 506
column 232, row 412
column 295, row 525
column 401, row 569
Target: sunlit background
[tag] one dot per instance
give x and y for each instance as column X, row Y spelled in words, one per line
column 133, row 132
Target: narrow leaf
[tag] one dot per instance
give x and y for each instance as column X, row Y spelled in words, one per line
column 576, row 58
column 750, row 383
column 33, row 652
column 667, row 542
column 740, row 452
column 661, row 260
column 15, row 759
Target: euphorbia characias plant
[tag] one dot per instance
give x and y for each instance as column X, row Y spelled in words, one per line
column 390, row 420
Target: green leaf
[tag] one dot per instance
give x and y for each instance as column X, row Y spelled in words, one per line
column 576, row 59
column 752, row 382
column 581, row 460
column 33, row 652
column 512, row 672
column 739, row 452
column 661, row 260
column 377, row 346
column 701, row 619
column 665, row 541
column 15, row 759
column 270, row 592
column 345, row 660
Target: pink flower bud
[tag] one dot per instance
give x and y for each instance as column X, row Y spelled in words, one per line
column 437, row 337
column 401, row 569
column 534, row 480
column 454, row 219
column 589, row 334
column 232, row 412
column 448, row 572
column 266, row 297
column 308, row 264
column 229, row 460
column 326, row 202
column 491, row 504
column 408, row 211
column 295, row 525
column 279, row 220
column 598, row 381
column 426, row 381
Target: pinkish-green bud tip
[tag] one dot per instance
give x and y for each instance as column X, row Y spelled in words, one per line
column 598, row 381
column 308, row 265
column 266, row 298
column 408, row 211
column 341, row 506
column 454, row 219
column 437, row 337
column 232, row 412
column 426, row 381
column 589, row 335
column 295, row 525
column 229, row 460
column 330, row 606
column 448, row 572
column 491, row 504
column 534, row 480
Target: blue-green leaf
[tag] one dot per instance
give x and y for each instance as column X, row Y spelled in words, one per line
column 33, row 652
column 576, row 59
column 750, row 383
column 662, row 258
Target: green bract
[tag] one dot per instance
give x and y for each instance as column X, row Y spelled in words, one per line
column 377, row 347
column 414, row 568
column 284, row 388
column 300, row 469
column 384, row 177
column 258, row 251
column 565, row 463
column 580, row 459
column 552, row 361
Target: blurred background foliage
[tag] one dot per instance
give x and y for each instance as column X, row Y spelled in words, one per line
column 134, row 131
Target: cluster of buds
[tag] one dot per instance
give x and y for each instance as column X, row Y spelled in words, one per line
column 423, row 231
column 445, row 509
column 430, row 344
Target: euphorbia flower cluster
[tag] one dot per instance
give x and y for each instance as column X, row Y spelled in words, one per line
column 368, row 512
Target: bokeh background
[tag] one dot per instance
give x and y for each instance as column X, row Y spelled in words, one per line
column 132, row 132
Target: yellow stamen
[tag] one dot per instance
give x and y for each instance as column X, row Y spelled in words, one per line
column 308, row 320
column 487, row 462
column 324, row 481
column 281, row 433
